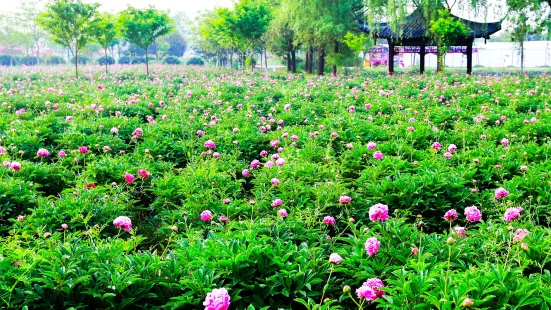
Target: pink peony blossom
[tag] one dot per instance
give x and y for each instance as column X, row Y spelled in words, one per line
column 437, row 146
column 223, row 219
column 523, row 168
column 210, row 144
column 280, row 162
column 275, row 181
column 460, row 232
column 501, row 193
column 450, row 215
column 448, row 155
column 504, row 142
column 245, row 172
column 15, row 166
column 372, row 246
column 218, row 299
column 277, row 202
column 378, row 155
column 335, row 258
column 520, row 234
column 414, row 251
column 42, row 153
column 129, row 178
column 83, row 150
column 366, row 292
column 123, row 222
column 282, row 212
column 378, row 212
column 329, row 220
column 375, row 284
column 255, row 163
column 473, row 214
column 371, row 145
column 206, row 215
column 511, row 214
column 143, row 174
column 345, row 199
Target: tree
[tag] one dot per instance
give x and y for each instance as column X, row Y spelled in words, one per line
column 29, row 10
column 358, row 43
column 143, row 27
column 177, row 45
column 446, row 30
column 104, row 32
column 70, row 23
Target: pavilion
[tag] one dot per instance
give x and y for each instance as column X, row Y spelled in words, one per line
column 413, row 33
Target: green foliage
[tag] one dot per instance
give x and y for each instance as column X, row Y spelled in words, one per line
column 143, row 26
column 70, row 24
column 197, row 61
column 171, row 60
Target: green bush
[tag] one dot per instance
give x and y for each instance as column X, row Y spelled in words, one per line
column 195, row 61
column 171, row 60
column 103, row 60
column 125, row 60
column 55, row 60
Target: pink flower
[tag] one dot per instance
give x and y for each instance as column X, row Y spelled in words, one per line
column 263, row 154
column 378, row 155
column 274, row 143
column 335, row 258
column 255, row 163
column 218, row 299
column 287, row 107
column 460, row 232
column 137, row 132
column 129, row 178
column 375, row 284
column 371, row 145
column 143, row 174
column 523, row 168
column 329, row 220
column 114, row 130
column 216, row 155
column 223, row 219
column 123, row 222
column 511, row 214
column 473, row 214
column 366, row 292
column 334, row 135
column 351, row 109
column 437, row 146
column 378, row 212
column 282, row 212
column 200, row 133
column 245, row 172
column 450, row 215
column 206, row 215
column 2, row 150
column 448, row 155
column 345, row 199
column 504, row 142
column 501, row 193
column 414, row 251
column 15, row 166
column 275, row 181
column 210, row 144
column 520, row 234
column 43, row 153
column 372, row 246
column 83, row 149
column 277, row 202
column 280, row 162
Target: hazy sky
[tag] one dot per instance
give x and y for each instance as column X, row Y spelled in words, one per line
column 190, row 7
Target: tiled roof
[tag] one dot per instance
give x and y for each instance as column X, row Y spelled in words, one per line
column 414, row 28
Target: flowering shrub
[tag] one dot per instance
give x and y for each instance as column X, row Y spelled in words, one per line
column 203, row 188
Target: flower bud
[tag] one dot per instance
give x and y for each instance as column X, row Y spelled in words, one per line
column 450, row 240
column 467, row 303
column 524, row 246
column 346, row 289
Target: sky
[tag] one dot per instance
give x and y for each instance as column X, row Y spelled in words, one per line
column 190, row 7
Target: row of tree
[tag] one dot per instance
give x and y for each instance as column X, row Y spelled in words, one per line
column 75, row 25
column 327, row 32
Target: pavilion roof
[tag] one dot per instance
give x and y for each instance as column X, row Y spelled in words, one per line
column 414, row 28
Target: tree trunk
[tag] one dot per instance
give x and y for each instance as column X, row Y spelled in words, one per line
column 231, row 60
column 288, row 60
column 522, row 55
column 307, row 61
column 440, row 59
column 266, row 59
column 335, row 50
column 105, row 61
column 146, row 63
column 37, row 52
column 321, row 61
column 293, row 61
column 76, row 61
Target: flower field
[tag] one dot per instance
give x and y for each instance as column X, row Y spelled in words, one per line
column 209, row 189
